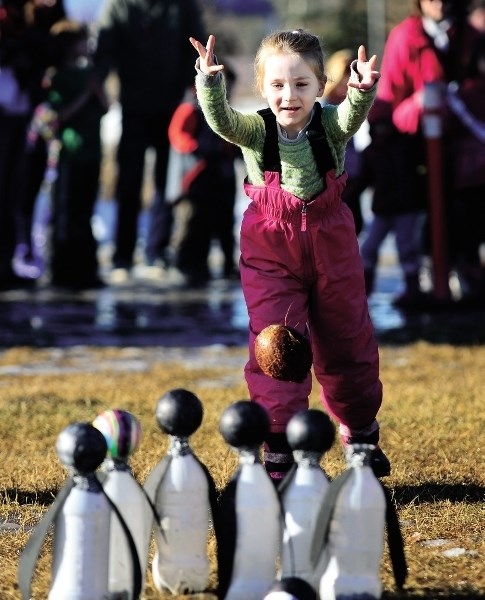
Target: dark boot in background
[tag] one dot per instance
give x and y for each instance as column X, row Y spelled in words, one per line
column 412, row 295
column 369, row 278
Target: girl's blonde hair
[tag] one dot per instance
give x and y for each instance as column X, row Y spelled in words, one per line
column 297, row 41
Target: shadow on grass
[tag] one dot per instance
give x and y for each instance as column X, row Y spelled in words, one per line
column 26, row 498
column 437, row 492
column 406, row 494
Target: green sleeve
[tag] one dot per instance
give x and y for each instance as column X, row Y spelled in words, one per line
column 342, row 121
column 246, row 131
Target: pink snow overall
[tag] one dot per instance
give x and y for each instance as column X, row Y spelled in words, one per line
column 300, row 266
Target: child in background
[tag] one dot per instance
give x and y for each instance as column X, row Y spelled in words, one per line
column 300, row 262
column 79, row 104
column 202, row 187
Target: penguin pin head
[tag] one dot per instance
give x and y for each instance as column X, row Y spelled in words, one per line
column 244, row 425
column 122, row 432
column 359, row 455
column 81, row 447
column 311, row 431
column 179, row 413
column 291, row 588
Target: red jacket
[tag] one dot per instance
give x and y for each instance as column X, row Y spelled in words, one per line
column 201, row 162
column 410, row 60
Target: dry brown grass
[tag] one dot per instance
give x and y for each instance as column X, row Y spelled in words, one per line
column 432, row 429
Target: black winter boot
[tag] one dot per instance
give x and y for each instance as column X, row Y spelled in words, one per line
column 380, row 464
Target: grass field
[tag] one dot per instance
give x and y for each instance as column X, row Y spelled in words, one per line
column 432, row 424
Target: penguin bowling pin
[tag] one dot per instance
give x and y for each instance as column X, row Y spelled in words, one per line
column 81, row 518
column 248, row 519
column 352, row 526
column 310, row 434
column 184, row 495
column 122, row 432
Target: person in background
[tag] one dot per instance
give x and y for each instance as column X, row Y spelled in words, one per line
column 145, row 43
column 203, row 193
column 476, row 15
column 300, row 264
column 466, row 129
column 79, row 103
column 396, row 209
column 40, row 16
column 338, row 72
column 25, row 52
column 14, row 113
column 433, row 44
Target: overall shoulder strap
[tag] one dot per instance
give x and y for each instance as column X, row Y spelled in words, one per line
column 271, row 154
column 318, row 141
column 315, row 134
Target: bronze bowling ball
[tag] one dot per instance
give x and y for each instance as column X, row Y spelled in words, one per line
column 283, row 353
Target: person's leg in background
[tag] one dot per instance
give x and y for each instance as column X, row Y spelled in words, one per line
column 74, row 249
column 378, row 229
column 222, row 224
column 192, row 250
column 12, row 140
column 131, row 162
column 34, row 163
column 160, row 220
column 408, row 232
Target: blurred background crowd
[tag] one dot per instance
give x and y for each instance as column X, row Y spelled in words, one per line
column 98, row 117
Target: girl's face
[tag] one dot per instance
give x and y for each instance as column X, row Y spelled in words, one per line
column 290, row 86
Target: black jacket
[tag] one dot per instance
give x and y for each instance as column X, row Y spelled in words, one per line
column 147, row 43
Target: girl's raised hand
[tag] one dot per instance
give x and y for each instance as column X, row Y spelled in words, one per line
column 206, row 54
column 366, row 69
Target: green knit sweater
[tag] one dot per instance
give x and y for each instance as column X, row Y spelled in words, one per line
column 299, row 173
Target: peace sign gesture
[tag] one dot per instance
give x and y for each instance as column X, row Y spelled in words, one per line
column 206, row 54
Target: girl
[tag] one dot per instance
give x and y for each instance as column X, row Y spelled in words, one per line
column 300, row 262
